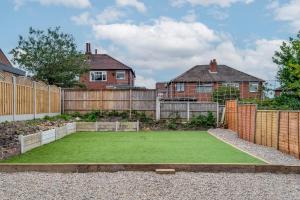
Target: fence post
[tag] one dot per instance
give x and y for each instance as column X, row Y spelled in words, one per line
column 117, row 126
column 49, row 100
column 130, row 103
column 137, row 125
column 14, row 97
column 60, row 100
column 218, row 114
column 63, row 101
column 21, row 140
column 188, row 111
column 157, row 111
column 34, row 100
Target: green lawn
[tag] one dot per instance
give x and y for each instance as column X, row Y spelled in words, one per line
column 133, row 147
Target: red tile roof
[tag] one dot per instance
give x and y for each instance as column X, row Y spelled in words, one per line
column 106, row 62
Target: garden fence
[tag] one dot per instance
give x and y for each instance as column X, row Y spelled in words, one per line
column 24, row 99
column 133, row 100
column 273, row 128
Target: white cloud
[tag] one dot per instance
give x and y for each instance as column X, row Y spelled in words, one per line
column 190, row 17
column 142, row 81
column 83, row 19
column 288, row 12
column 108, row 15
column 170, row 44
column 67, row 3
column 221, row 3
column 140, row 6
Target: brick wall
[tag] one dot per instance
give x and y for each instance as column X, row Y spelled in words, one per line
column 190, row 90
column 111, row 80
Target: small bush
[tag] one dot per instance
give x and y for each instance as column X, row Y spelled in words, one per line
column 142, row 117
column 202, row 121
column 174, row 121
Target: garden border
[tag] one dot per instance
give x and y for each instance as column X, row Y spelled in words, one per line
column 242, row 150
column 210, row 168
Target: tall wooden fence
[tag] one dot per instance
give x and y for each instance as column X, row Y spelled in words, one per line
column 272, row 128
column 120, row 100
column 133, row 100
column 231, row 114
column 23, row 99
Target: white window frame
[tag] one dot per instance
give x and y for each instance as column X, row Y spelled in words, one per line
column 251, row 84
column 120, row 72
column 204, row 85
column 179, row 87
column 103, row 74
column 228, row 84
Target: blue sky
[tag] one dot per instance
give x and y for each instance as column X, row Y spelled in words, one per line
column 161, row 39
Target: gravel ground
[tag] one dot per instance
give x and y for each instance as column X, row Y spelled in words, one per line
column 148, row 185
column 271, row 155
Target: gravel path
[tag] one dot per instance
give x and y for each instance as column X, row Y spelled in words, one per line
column 271, row 155
column 148, row 185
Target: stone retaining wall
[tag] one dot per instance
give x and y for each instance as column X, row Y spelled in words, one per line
column 12, row 149
column 32, row 141
column 107, row 126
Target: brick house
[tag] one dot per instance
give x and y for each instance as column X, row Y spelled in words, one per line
column 6, row 68
column 199, row 82
column 106, row 72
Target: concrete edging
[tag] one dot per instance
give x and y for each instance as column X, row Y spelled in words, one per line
column 210, row 168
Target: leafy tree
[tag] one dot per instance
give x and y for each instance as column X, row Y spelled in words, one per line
column 50, row 56
column 288, row 60
column 224, row 93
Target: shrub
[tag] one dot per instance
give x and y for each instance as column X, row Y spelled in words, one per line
column 202, row 121
column 142, row 117
column 174, row 121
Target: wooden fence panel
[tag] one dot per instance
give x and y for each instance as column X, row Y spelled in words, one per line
column 232, row 115
column 170, row 109
column 119, row 100
column 246, row 122
column 6, row 98
column 267, row 128
column 23, row 99
column 55, row 100
column 186, row 110
column 293, row 136
column 284, row 132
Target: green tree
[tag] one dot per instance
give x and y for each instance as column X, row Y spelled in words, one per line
column 288, row 60
column 50, row 56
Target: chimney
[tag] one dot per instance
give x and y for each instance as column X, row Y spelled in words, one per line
column 213, row 66
column 88, row 48
column 96, row 51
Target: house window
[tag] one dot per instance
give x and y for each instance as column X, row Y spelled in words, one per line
column 253, row 87
column 1, row 76
column 235, row 85
column 179, row 87
column 204, row 88
column 98, row 76
column 120, row 75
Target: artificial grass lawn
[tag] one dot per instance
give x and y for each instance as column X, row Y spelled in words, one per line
column 133, row 147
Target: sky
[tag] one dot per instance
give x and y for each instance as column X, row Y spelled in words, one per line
column 160, row 39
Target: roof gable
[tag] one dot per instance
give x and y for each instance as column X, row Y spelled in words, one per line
column 106, row 62
column 201, row 73
column 3, row 59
